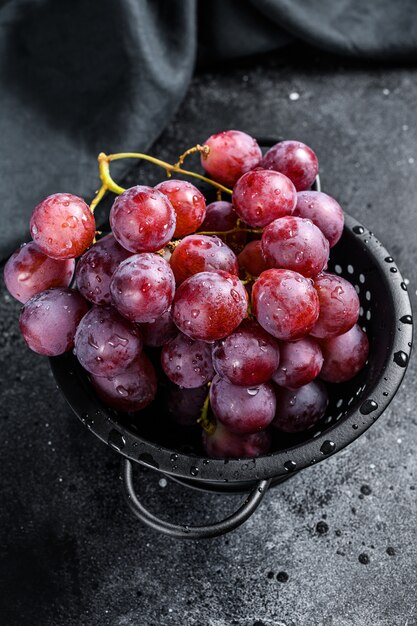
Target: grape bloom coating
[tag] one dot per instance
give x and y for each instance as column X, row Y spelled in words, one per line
column 62, row 226
column 210, row 305
column 161, row 312
column 142, row 219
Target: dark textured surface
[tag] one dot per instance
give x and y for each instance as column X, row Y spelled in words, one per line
column 336, row 545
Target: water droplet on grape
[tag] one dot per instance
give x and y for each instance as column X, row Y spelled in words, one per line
column 122, row 391
column 115, row 340
column 72, row 221
column 252, row 391
column 195, row 313
column 235, row 295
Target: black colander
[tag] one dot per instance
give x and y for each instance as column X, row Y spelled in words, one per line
column 385, row 314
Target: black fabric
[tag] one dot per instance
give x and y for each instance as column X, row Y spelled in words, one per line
column 79, row 76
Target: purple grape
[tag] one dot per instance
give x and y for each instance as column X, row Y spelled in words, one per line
column 323, row 211
column 156, row 334
column 232, row 153
column 299, row 409
column 106, row 343
column 188, row 202
column 29, row 271
column 242, row 409
column 294, row 243
column 63, row 226
column 247, row 357
column 201, row 253
column 252, row 259
column 220, row 216
column 339, row 306
column 187, row 362
column 210, row 305
column 300, row 363
column 295, row 160
column 285, row 304
column 184, row 405
column 262, row 196
column 132, row 389
column 96, row 267
column 223, row 444
column 142, row 219
column 143, row 287
column 49, row 320
column 344, row 356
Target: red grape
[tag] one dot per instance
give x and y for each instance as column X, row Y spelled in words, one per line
column 232, row 153
column 339, row 306
column 29, row 271
column 142, row 219
column 295, row 160
column 344, row 355
column 156, row 334
column 249, row 356
column 220, row 216
column 261, row 196
column 48, row 320
column 106, row 343
column 300, row 363
column 296, row 244
column 63, row 226
column 188, row 202
column 184, row 405
column 223, row 444
column 142, row 287
column 299, row 409
column 131, row 390
column 285, row 304
column 252, row 258
column 187, row 362
column 201, row 253
column 242, row 409
column 96, row 267
column 323, row 211
column 210, row 305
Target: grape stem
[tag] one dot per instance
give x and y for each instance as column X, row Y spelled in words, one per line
column 104, row 166
column 204, row 150
column 237, row 229
column 204, row 420
column 98, row 197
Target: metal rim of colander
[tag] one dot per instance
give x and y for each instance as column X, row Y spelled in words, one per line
column 103, row 423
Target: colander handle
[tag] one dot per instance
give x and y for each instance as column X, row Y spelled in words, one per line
column 251, row 502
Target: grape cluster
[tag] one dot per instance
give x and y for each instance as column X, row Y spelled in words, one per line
column 233, row 298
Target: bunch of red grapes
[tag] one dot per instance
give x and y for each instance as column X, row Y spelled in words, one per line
column 234, row 295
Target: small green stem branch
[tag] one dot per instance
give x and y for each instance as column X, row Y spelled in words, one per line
column 204, row 420
column 105, row 160
column 237, row 229
column 98, row 197
column 204, row 150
